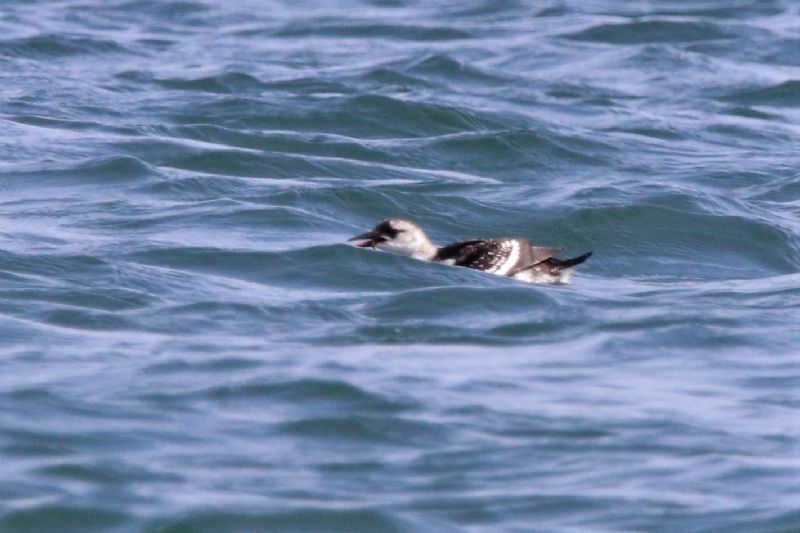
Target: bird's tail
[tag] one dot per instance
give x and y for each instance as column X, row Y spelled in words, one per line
column 553, row 266
column 562, row 264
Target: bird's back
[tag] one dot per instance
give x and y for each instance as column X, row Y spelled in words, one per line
column 503, row 256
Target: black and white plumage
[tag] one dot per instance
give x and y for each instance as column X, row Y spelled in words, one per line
column 509, row 256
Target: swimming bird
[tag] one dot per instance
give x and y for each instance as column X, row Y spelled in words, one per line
column 514, row 257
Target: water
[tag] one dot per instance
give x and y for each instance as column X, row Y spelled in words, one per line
column 189, row 345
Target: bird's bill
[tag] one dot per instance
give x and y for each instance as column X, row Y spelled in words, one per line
column 369, row 239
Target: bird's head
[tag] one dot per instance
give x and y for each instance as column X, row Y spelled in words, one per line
column 398, row 236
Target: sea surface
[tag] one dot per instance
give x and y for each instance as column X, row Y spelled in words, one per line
column 188, row 344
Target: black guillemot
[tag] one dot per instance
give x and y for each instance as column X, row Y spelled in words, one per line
column 514, row 257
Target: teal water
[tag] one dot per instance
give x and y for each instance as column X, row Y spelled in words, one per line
column 188, row 344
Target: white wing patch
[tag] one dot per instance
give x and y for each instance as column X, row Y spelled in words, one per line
column 511, row 253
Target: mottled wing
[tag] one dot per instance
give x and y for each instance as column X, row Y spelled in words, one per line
column 504, row 257
column 477, row 254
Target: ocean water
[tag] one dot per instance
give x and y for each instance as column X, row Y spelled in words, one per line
column 189, row 344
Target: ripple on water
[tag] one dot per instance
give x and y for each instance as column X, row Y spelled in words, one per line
column 304, row 519
column 701, row 246
column 66, row 518
column 786, row 93
column 374, row 31
column 227, row 83
column 47, row 46
column 653, row 31
column 318, row 391
column 365, row 430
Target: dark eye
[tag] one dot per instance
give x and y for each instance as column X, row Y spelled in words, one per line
column 386, row 228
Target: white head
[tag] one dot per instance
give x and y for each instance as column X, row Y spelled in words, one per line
column 399, row 236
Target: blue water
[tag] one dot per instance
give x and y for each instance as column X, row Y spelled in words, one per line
column 188, row 344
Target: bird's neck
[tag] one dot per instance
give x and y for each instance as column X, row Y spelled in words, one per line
column 422, row 248
column 426, row 251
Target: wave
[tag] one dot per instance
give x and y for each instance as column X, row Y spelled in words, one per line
column 786, row 93
column 59, row 45
column 652, row 31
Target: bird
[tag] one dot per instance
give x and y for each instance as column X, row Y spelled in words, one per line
column 513, row 257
